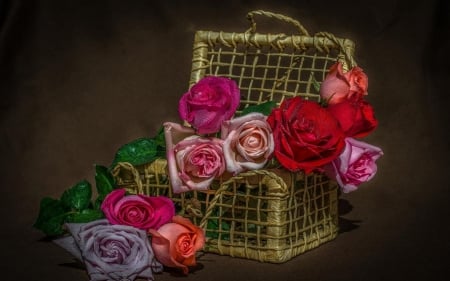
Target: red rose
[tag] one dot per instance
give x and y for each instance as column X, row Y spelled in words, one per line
column 356, row 117
column 306, row 135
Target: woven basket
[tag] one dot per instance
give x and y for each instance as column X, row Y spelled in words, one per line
column 269, row 215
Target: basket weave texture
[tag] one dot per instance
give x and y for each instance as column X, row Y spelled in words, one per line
column 270, row 215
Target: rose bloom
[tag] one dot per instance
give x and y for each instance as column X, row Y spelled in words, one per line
column 248, row 142
column 140, row 211
column 111, row 252
column 356, row 117
column 176, row 243
column 355, row 165
column 306, row 135
column 193, row 161
column 208, row 103
column 339, row 86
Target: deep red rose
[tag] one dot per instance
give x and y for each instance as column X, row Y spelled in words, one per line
column 306, row 135
column 356, row 117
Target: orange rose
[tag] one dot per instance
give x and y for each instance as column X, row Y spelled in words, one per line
column 176, row 243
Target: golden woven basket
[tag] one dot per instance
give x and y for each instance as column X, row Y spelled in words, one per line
column 269, row 215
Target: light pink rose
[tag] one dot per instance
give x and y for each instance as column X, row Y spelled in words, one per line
column 140, row 211
column 176, row 243
column 248, row 142
column 208, row 103
column 355, row 165
column 339, row 86
column 193, row 161
column 111, row 252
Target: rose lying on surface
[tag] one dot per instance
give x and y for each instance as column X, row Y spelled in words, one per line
column 176, row 243
column 248, row 142
column 111, row 252
column 193, row 162
column 355, row 165
column 306, row 135
column 356, row 117
column 208, row 103
column 140, row 211
column 339, row 86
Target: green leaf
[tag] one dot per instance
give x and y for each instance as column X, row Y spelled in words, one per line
column 212, row 225
column 104, row 181
column 86, row 215
column 51, row 217
column 137, row 152
column 77, row 197
column 315, row 83
column 264, row 108
column 159, row 138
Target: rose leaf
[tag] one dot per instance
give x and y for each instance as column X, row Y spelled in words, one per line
column 51, row 217
column 86, row 215
column 264, row 108
column 104, row 181
column 77, row 197
column 137, row 152
column 315, row 83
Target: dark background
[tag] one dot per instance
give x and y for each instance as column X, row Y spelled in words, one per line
column 80, row 78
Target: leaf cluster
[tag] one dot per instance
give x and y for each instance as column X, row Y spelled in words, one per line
column 75, row 204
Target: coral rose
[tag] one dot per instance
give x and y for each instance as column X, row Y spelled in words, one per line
column 140, row 211
column 306, row 135
column 208, row 103
column 339, row 86
column 176, row 243
column 193, row 161
column 355, row 165
column 248, row 142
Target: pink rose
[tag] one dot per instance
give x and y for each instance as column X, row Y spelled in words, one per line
column 355, row 165
column 194, row 161
column 176, row 243
column 339, row 86
column 248, row 142
column 208, row 103
column 140, row 211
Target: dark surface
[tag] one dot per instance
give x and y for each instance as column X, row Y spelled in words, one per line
column 81, row 78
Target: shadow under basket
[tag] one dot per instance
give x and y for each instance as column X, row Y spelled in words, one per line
column 266, row 215
column 269, row 215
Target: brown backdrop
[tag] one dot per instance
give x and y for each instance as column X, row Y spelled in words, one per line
column 81, row 78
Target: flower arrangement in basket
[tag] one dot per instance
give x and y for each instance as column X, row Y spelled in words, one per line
column 249, row 177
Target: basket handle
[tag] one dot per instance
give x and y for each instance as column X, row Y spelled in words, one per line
column 252, row 29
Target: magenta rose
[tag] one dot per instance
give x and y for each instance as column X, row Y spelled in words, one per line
column 140, row 211
column 208, row 103
column 111, row 252
column 339, row 86
column 355, row 165
column 193, row 161
column 248, row 142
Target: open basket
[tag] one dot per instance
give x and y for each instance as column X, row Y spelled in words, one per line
column 270, row 215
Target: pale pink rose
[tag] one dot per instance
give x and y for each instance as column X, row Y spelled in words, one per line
column 339, row 86
column 194, row 161
column 176, row 243
column 111, row 252
column 355, row 165
column 248, row 142
column 208, row 103
column 140, row 211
